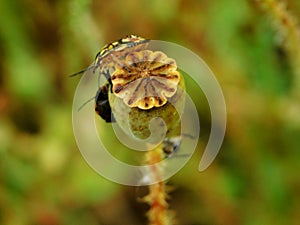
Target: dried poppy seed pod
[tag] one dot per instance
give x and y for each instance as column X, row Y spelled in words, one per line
column 146, row 80
column 147, row 86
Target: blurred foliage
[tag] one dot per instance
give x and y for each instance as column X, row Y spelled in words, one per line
column 43, row 177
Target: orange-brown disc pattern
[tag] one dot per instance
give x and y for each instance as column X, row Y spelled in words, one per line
column 146, row 79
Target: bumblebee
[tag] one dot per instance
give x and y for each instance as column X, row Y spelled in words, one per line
column 102, row 106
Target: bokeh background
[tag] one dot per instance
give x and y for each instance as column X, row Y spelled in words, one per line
column 256, row 177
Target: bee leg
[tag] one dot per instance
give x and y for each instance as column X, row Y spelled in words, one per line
column 107, row 75
column 96, row 65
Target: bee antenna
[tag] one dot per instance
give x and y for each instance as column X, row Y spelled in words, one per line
column 82, row 71
column 86, row 102
column 188, row 136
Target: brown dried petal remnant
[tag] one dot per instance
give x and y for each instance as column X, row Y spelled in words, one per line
column 146, row 80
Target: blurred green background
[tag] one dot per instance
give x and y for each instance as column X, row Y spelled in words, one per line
column 44, row 179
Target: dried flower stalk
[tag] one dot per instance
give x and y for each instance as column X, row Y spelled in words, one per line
column 288, row 29
column 158, row 213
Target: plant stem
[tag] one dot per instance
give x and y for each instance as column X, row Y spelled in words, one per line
column 287, row 26
column 158, row 213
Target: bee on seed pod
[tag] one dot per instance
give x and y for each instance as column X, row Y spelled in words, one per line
column 141, row 85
